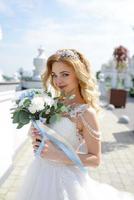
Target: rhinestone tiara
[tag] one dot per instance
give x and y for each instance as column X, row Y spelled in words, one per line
column 67, row 53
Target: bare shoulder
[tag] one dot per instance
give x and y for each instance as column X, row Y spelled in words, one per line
column 90, row 113
column 91, row 118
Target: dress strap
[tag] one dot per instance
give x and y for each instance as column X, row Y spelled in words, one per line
column 95, row 134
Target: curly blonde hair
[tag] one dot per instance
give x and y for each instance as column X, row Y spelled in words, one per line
column 87, row 81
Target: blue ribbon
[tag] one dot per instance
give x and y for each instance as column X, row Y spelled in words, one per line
column 72, row 156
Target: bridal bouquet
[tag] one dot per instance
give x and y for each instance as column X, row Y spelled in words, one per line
column 35, row 105
column 41, row 109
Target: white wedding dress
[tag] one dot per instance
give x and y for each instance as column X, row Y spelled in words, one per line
column 49, row 180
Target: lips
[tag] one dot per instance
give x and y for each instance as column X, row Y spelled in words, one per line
column 62, row 86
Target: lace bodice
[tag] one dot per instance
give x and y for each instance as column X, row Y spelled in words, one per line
column 67, row 128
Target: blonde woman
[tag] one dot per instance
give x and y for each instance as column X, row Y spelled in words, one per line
column 54, row 176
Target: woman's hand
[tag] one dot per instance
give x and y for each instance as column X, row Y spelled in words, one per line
column 50, row 151
column 36, row 138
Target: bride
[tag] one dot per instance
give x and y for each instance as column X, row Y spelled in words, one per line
column 53, row 176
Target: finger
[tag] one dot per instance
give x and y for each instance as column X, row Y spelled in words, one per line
column 35, row 147
column 33, row 127
column 38, row 140
column 36, row 143
column 35, row 139
column 34, row 133
column 38, row 137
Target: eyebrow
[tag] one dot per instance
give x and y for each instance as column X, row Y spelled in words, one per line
column 61, row 72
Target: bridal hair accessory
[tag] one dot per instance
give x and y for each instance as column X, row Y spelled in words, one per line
column 67, row 53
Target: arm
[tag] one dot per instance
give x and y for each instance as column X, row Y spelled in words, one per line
column 91, row 134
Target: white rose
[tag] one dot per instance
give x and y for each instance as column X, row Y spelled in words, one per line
column 37, row 104
column 32, row 109
column 48, row 100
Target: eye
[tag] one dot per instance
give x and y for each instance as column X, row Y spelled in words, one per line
column 53, row 75
column 65, row 75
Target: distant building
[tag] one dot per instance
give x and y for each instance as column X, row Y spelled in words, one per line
column 110, row 73
column 34, row 80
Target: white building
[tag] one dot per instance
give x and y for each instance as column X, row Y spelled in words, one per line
column 111, row 75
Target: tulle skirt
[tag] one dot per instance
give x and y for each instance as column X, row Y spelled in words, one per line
column 48, row 180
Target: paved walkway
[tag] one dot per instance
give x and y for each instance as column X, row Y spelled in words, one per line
column 128, row 110
column 117, row 159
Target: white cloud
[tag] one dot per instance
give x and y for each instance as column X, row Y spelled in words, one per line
column 96, row 42
column 6, row 9
column 10, row 8
column 94, row 28
column 116, row 10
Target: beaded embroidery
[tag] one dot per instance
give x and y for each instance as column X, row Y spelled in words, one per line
column 78, row 110
column 92, row 132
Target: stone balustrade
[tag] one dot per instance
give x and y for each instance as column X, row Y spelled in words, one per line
column 11, row 139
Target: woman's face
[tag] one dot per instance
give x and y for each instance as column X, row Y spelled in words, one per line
column 64, row 77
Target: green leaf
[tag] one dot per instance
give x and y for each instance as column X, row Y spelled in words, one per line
column 15, row 117
column 55, row 98
column 47, row 107
column 13, row 108
column 64, row 109
column 59, row 104
column 27, row 102
column 43, row 114
column 20, row 125
column 47, row 120
column 55, row 106
column 49, row 94
column 23, row 117
column 55, row 117
column 52, row 109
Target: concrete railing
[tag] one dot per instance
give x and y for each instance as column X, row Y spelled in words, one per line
column 11, row 139
column 7, row 86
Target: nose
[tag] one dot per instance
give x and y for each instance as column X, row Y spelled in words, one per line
column 58, row 81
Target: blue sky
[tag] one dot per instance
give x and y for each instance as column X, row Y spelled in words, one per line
column 94, row 27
